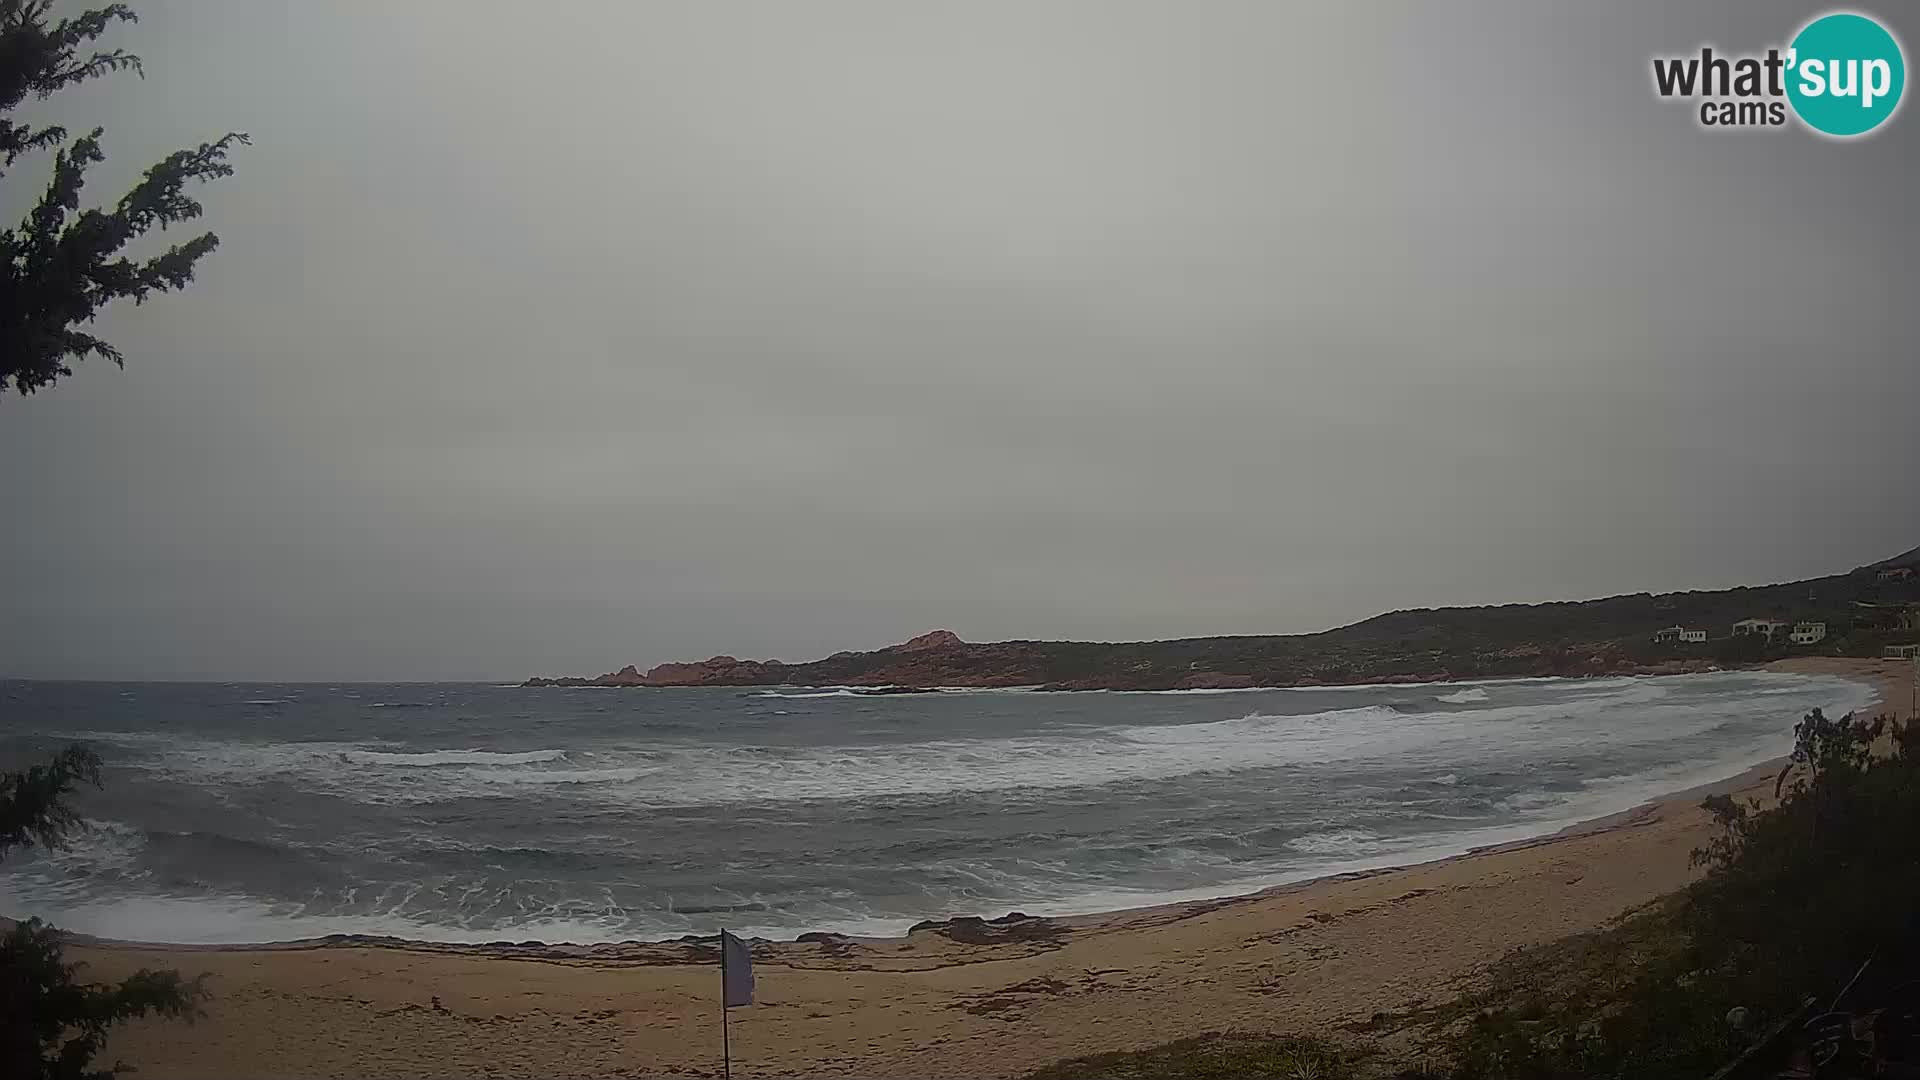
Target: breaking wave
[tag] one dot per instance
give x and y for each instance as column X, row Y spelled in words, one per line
column 592, row 819
column 450, row 757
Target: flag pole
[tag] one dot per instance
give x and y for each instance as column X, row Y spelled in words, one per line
column 726, row 1047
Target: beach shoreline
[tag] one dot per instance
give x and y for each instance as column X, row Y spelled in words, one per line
column 958, row 997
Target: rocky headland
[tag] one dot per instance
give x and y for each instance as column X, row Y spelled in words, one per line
column 1864, row 610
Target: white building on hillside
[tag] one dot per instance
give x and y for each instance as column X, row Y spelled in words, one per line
column 1766, row 628
column 1693, row 637
column 1807, row 633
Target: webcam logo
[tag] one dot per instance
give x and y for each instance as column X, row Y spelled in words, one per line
column 1842, row 75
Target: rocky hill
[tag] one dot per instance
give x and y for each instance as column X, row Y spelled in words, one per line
column 1864, row 609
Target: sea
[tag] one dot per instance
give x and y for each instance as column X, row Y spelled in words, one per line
column 245, row 812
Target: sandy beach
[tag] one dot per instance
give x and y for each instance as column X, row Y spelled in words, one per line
column 964, row 998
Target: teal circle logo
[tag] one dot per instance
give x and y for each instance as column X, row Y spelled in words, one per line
column 1845, row 74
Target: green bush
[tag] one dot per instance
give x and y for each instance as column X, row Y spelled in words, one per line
column 52, row 1024
column 1795, row 899
column 1214, row 1057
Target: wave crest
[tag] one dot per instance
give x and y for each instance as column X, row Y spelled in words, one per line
column 430, row 758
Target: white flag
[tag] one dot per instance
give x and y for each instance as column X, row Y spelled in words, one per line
column 736, row 972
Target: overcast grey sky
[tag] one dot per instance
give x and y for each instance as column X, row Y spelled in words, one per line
column 574, row 335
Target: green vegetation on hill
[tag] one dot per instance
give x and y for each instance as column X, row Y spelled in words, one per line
column 1863, row 611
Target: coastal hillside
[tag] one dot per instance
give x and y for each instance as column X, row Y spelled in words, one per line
column 1859, row 613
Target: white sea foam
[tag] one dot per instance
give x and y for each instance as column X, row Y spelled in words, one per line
column 1739, row 718
column 102, row 848
column 450, row 757
column 1431, row 683
column 1344, row 842
column 841, row 692
column 1590, row 717
column 1204, row 690
column 1464, row 697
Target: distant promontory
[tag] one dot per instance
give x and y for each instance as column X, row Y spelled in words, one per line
column 1869, row 611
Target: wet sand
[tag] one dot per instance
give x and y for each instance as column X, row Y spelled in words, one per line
column 963, row 998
